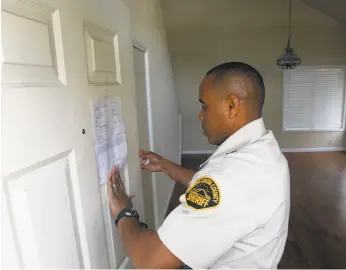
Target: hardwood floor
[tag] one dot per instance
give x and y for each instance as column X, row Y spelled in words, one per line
column 317, row 229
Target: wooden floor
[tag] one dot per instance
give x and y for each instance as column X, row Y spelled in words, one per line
column 317, row 229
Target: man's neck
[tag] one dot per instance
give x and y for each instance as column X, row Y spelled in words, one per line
column 244, row 123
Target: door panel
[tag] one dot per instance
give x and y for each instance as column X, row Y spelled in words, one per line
column 35, row 27
column 102, row 52
column 29, row 195
column 25, row 77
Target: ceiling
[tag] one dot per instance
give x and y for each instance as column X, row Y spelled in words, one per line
column 333, row 8
column 190, row 13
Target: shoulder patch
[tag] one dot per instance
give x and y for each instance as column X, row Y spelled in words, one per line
column 204, row 194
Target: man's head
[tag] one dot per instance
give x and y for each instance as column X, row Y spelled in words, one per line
column 232, row 95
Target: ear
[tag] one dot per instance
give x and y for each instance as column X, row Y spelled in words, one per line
column 233, row 105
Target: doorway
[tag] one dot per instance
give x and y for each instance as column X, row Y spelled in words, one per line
column 145, row 134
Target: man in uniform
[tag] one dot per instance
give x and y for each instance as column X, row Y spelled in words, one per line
column 235, row 211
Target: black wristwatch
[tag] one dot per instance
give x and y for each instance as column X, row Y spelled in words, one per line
column 127, row 212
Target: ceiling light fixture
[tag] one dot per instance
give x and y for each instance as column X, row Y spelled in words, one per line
column 289, row 59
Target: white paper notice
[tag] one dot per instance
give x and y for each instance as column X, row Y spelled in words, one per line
column 110, row 138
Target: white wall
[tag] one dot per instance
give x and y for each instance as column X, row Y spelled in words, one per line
column 148, row 28
column 254, row 32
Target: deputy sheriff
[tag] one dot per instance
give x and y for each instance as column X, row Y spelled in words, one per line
column 235, row 211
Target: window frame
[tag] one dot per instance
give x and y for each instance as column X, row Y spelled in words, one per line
column 285, row 92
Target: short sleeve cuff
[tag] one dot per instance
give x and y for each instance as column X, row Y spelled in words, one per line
column 169, row 239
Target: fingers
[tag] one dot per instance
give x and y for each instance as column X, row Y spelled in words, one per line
column 114, row 182
column 117, row 182
column 110, row 189
column 120, row 182
column 141, row 152
column 146, row 158
column 145, row 154
column 145, row 161
column 145, row 164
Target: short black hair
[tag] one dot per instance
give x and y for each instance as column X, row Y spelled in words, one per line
column 224, row 70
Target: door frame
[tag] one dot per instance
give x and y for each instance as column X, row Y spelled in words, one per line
column 140, row 46
column 180, row 138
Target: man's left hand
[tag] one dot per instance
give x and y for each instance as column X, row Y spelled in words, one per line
column 117, row 197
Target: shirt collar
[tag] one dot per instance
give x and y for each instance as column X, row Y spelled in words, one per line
column 244, row 136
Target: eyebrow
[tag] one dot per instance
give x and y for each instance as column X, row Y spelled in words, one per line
column 201, row 101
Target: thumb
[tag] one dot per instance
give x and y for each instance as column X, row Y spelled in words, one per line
column 141, row 153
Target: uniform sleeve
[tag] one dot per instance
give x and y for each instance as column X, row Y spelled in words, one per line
column 210, row 219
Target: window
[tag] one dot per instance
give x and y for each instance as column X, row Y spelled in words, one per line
column 314, row 99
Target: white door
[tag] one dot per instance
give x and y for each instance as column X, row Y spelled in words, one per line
column 144, row 135
column 108, row 42
column 52, row 210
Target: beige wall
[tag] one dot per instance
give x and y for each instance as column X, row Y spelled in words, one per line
column 148, row 28
column 195, row 48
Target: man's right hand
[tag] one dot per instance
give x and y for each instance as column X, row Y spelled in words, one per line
column 155, row 164
column 158, row 163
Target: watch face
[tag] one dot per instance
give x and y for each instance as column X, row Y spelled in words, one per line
column 131, row 213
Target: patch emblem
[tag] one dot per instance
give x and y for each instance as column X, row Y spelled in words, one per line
column 203, row 194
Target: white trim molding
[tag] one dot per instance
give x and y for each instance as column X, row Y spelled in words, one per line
column 140, row 46
column 285, row 150
column 180, row 137
column 196, row 152
column 316, row 149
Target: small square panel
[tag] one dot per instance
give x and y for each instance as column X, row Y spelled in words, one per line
column 32, row 47
column 102, row 51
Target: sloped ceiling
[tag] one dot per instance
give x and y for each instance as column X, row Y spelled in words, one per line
column 190, row 13
column 333, row 8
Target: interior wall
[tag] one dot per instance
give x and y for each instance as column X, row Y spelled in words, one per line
column 148, row 28
column 197, row 47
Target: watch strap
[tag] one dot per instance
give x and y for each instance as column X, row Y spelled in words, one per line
column 126, row 212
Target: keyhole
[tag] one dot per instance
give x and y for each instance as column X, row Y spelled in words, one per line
column 83, row 131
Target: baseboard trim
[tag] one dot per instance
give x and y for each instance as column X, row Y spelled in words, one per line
column 317, row 149
column 196, row 152
column 286, row 150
